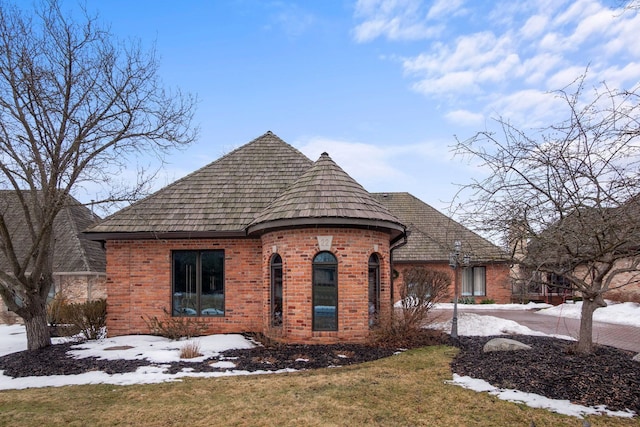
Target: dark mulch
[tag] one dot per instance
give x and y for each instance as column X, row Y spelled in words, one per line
column 607, row 377
column 551, row 368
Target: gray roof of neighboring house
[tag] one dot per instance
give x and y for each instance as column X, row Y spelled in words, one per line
column 262, row 185
column 71, row 252
column 326, row 194
column 432, row 234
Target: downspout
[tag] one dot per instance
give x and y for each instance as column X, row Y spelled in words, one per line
column 395, row 245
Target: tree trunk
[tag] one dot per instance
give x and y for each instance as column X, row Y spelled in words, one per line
column 38, row 335
column 585, row 340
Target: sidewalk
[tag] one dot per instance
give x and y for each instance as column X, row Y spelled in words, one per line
column 620, row 336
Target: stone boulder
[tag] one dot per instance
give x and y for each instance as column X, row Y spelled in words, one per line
column 636, row 358
column 504, row 344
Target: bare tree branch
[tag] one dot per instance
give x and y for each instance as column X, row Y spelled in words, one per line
column 75, row 105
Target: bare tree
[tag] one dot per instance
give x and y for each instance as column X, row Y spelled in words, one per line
column 75, row 105
column 569, row 192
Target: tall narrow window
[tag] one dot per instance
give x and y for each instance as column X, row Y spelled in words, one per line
column 198, row 283
column 325, row 292
column 474, row 281
column 276, row 291
column 374, row 289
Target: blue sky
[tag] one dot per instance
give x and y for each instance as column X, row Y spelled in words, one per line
column 381, row 85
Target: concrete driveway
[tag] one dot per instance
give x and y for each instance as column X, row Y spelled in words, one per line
column 620, row 336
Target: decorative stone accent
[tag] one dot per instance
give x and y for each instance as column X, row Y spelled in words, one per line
column 504, row 344
column 636, row 358
column 324, row 242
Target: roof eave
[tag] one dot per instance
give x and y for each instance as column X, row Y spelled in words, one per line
column 162, row 235
column 393, row 228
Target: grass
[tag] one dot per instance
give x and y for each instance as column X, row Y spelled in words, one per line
column 406, row 389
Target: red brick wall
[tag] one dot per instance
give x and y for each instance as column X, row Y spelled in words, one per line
column 498, row 284
column 352, row 248
column 139, row 282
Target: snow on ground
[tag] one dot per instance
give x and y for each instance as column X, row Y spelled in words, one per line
column 161, row 350
column 625, row 313
column 471, row 324
column 564, row 407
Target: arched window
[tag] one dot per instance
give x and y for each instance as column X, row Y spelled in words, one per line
column 276, row 291
column 325, row 292
column 374, row 289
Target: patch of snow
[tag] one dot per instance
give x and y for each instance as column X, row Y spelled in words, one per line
column 471, row 324
column 532, row 400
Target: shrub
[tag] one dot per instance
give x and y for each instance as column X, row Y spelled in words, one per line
column 88, row 318
column 174, row 328
column 189, row 350
column 487, row 301
column 420, row 290
column 55, row 308
column 466, row 300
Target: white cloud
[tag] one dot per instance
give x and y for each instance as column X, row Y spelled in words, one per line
column 442, row 8
column 524, row 48
column 395, row 20
column 465, row 118
column 534, row 26
column 366, row 163
column 422, row 169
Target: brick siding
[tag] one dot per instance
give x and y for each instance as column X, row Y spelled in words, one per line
column 498, row 284
column 139, row 282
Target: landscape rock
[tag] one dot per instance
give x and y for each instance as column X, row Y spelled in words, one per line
column 504, row 344
column 636, row 358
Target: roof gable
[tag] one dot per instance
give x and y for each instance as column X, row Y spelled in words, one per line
column 223, row 196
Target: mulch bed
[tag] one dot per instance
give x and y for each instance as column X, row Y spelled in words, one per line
column 551, row 368
column 607, row 377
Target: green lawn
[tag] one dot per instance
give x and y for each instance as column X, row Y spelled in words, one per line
column 403, row 390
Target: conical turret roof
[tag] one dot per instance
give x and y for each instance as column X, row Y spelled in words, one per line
column 325, row 195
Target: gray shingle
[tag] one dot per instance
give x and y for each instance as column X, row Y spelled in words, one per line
column 223, row 196
column 432, row 234
column 326, row 191
column 71, row 253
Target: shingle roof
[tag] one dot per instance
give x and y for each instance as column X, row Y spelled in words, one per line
column 325, row 193
column 432, row 234
column 71, row 253
column 224, row 196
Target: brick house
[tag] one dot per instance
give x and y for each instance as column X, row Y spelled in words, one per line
column 263, row 240
column 431, row 237
column 79, row 265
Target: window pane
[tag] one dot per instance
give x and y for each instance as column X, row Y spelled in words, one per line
column 325, row 257
column 467, row 281
column 325, row 292
column 185, row 301
column 212, row 300
column 479, row 281
column 276, row 291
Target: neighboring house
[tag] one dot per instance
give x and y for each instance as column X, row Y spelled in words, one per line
column 431, row 237
column 78, row 264
column 582, row 245
column 261, row 240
